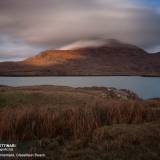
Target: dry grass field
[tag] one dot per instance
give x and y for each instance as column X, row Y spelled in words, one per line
column 80, row 123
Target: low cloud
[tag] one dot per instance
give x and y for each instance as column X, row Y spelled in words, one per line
column 84, row 43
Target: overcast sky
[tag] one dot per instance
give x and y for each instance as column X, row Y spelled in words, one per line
column 30, row 26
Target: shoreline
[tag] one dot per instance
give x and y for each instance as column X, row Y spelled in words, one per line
column 107, row 75
column 103, row 88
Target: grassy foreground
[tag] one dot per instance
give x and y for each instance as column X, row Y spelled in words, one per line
column 80, row 123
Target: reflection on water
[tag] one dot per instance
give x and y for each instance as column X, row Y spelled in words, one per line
column 145, row 87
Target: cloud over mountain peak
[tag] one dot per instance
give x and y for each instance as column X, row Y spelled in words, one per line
column 56, row 23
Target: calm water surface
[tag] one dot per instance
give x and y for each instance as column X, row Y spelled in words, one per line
column 145, row 87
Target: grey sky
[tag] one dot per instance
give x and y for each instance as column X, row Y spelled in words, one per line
column 29, row 26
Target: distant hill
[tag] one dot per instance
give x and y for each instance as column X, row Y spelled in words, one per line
column 112, row 58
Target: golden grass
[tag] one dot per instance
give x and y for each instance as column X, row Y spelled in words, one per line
column 22, row 123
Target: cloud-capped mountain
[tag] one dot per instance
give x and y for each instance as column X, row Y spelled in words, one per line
column 95, row 57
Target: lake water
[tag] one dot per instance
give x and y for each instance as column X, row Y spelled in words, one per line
column 145, row 87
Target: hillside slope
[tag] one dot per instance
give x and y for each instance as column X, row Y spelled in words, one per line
column 116, row 59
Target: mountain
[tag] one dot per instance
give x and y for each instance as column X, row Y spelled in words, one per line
column 111, row 58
